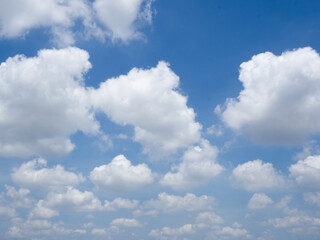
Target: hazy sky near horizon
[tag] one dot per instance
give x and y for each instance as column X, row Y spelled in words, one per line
column 160, row 119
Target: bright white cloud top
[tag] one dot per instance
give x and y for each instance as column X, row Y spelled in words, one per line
column 307, row 172
column 164, row 123
column 280, row 101
column 198, row 165
column 100, row 18
column 256, row 175
column 43, row 101
column 121, row 175
column 36, row 174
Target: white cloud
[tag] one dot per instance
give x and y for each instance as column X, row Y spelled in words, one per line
column 307, row 172
column 233, row 232
column 120, row 203
column 51, row 87
column 208, row 218
column 104, row 231
column 32, row 228
column 121, row 17
column 98, row 231
column 280, row 100
column 36, row 174
column 18, row 17
column 73, row 198
column 41, row 211
column 174, row 232
column 125, row 222
column 149, row 100
column 115, row 19
column 313, row 198
column 256, row 175
column 259, row 201
column 19, row 198
column 121, row 175
column 198, row 165
column 293, row 221
column 173, row 203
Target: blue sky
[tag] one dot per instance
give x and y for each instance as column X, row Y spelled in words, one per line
column 157, row 119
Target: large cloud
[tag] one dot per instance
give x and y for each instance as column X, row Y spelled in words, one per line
column 307, row 172
column 280, row 102
column 149, row 100
column 118, row 18
column 43, row 102
column 198, row 165
column 36, row 174
column 51, row 86
column 121, row 175
column 256, row 175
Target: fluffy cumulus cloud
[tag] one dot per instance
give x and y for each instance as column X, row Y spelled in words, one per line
column 121, row 175
column 51, row 87
column 73, row 199
column 280, row 101
column 198, row 165
column 121, row 17
column 116, row 19
column 259, row 201
column 256, row 175
column 174, row 203
column 149, row 100
column 307, row 172
column 36, row 174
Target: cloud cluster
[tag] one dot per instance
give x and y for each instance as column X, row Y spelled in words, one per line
column 256, row 175
column 198, row 165
column 166, row 232
column 51, row 86
column 174, row 203
column 101, row 18
column 280, row 101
